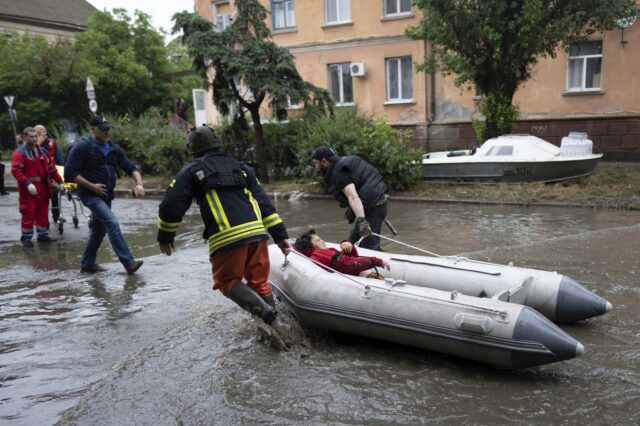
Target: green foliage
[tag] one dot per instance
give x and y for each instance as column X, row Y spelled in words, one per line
column 249, row 68
column 494, row 44
column 498, row 112
column 151, row 142
column 44, row 79
column 351, row 133
column 128, row 63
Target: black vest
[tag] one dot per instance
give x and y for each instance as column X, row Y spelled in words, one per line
column 366, row 178
column 217, row 169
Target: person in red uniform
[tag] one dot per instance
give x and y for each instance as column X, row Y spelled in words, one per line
column 345, row 260
column 33, row 171
column 48, row 143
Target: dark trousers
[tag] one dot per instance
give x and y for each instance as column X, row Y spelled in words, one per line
column 55, row 204
column 375, row 216
column 2, row 190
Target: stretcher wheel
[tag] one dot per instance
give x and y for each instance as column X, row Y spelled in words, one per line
column 75, row 222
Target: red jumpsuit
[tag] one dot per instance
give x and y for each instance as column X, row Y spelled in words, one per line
column 31, row 165
column 350, row 264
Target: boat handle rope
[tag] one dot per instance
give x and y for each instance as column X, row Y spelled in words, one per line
column 367, row 288
column 455, row 259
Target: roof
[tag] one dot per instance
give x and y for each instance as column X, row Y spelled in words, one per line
column 64, row 14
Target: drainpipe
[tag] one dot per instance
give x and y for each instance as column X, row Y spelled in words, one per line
column 430, row 97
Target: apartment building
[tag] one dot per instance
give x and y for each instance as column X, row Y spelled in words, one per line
column 358, row 51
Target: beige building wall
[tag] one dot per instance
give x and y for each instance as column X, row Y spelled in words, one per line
column 369, row 37
column 545, row 95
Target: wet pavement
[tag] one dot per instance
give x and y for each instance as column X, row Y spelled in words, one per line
column 161, row 347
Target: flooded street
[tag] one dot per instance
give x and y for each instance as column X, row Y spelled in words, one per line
column 162, row 348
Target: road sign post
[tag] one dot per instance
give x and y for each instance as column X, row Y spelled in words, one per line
column 12, row 115
column 91, row 95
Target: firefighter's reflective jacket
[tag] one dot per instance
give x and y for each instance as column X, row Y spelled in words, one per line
column 234, row 207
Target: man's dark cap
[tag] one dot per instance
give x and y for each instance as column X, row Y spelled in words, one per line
column 100, row 122
column 323, row 152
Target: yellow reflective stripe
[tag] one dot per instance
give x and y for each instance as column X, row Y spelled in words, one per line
column 271, row 220
column 215, row 212
column 254, row 203
column 237, row 233
column 223, row 216
column 168, row 226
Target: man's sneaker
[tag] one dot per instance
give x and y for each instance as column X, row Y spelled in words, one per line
column 133, row 266
column 27, row 243
column 92, row 269
column 46, row 239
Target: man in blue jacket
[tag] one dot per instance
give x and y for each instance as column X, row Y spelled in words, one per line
column 92, row 163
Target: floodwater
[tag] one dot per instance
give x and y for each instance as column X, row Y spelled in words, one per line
column 162, row 348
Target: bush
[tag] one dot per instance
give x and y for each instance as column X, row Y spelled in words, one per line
column 152, row 143
column 351, row 133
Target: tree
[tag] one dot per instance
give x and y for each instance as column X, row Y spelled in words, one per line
column 129, row 65
column 44, row 77
column 496, row 43
column 248, row 68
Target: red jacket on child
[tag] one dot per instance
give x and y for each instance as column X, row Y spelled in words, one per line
column 350, row 264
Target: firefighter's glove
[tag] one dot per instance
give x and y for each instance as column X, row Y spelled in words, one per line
column 32, row 189
column 349, row 215
column 363, row 227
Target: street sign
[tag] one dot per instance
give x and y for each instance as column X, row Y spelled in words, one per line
column 9, row 101
column 91, row 95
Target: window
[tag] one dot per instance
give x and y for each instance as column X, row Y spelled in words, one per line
column 340, row 86
column 292, row 105
column 283, row 14
column 396, row 7
column 585, row 66
column 221, row 15
column 399, row 79
column 336, row 11
column 500, row 151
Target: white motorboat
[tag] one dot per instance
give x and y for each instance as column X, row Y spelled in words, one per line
column 514, row 158
column 487, row 330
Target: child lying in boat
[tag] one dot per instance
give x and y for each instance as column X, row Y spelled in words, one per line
column 346, row 260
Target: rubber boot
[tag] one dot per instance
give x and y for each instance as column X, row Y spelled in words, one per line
column 270, row 300
column 247, row 299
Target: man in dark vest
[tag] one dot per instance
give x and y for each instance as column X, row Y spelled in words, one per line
column 238, row 219
column 358, row 186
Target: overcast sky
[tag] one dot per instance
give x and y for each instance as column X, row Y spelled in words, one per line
column 159, row 10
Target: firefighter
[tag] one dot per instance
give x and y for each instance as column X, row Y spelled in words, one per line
column 33, row 171
column 238, row 219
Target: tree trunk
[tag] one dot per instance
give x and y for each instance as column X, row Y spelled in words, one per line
column 261, row 152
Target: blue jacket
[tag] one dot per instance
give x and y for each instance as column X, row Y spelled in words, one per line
column 87, row 160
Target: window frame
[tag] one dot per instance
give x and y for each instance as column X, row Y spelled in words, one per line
column 226, row 17
column 341, row 102
column 340, row 19
column 398, row 5
column 388, row 85
column 286, row 3
column 584, row 60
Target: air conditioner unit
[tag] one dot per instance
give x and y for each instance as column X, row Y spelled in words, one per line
column 358, row 69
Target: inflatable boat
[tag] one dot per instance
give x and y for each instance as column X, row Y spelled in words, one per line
column 556, row 296
column 487, row 330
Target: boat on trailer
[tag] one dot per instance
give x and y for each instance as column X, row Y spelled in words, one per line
column 514, row 158
column 483, row 329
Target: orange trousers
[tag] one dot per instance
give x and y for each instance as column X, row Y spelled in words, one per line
column 250, row 262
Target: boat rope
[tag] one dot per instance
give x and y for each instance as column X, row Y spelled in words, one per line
column 367, row 287
column 405, row 244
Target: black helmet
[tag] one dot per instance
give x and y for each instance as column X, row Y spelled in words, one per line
column 201, row 139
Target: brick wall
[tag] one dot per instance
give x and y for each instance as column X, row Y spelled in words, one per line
column 617, row 138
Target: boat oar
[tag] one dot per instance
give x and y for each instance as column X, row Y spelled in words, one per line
column 391, row 227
